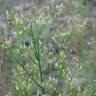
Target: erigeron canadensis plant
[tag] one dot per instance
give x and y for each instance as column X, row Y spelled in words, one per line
column 35, row 72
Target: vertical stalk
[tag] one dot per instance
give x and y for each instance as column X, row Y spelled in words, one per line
column 61, row 70
column 37, row 55
column 58, row 82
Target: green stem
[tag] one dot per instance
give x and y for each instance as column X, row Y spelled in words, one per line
column 24, row 69
column 37, row 55
column 61, row 68
column 58, row 82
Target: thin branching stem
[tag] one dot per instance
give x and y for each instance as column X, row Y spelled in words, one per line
column 36, row 46
column 61, row 68
column 58, row 82
column 24, row 68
